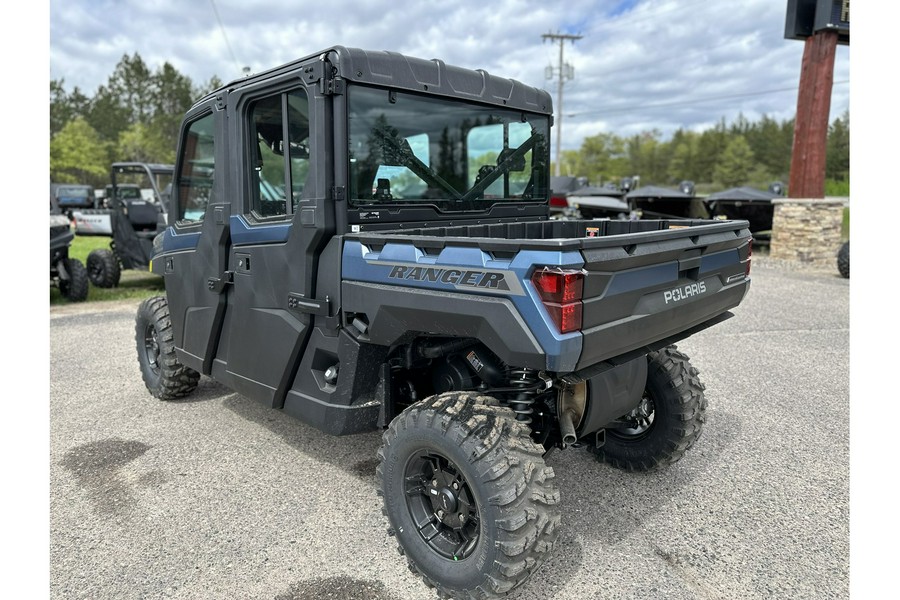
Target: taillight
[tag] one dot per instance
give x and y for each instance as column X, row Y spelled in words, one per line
column 561, row 291
column 558, row 201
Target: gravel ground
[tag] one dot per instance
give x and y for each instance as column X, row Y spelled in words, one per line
column 218, row 497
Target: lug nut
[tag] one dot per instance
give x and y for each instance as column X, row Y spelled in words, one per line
column 455, row 486
column 462, row 517
column 434, row 483
column 440, row 514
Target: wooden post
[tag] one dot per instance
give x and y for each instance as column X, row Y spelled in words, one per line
column 813, row 108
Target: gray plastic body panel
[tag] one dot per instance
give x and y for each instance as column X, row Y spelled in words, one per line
column 395, row 311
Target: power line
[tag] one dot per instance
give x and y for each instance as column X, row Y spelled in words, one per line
column 632, row 107
column 224, row 35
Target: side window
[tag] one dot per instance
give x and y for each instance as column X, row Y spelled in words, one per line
column 195, row 177
column 279, row 153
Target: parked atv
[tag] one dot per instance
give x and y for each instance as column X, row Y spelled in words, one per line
column 131, row 220
column 66, row 273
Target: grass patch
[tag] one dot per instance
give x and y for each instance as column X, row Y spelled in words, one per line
column 82, row 245
column 135, row 285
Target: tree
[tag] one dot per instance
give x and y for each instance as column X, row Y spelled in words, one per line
column 172, row 96
column 771, row 143
column 203, row 89
column 837, row 151
column 78, row 155
column 107, row 115
column 736, row 164
column 709, row 148
column 134, row 84
column 647, row 156
column 137, row 114
column 144, row 143
column 601, row 156
column 64, row 106
column 684, row 157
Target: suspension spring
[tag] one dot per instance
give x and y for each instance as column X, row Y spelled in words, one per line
column 522, row 405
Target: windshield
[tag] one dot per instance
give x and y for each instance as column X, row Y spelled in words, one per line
column 135, row 182
column 408, row 149
column 74, row 192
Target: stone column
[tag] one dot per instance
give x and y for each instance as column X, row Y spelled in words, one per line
column 807, row 230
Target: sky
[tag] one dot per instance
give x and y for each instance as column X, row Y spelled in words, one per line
column 640, row 65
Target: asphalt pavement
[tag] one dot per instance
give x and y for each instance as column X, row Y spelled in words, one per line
column 216, row 497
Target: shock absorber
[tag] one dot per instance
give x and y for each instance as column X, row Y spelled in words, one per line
column 526, row 380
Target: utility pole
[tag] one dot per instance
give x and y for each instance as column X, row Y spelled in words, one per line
column 807, row 178
column 565, row 71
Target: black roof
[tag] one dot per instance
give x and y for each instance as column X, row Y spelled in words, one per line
column 651, row 191
column 597, row 191
column 392, row 69
column 744, row 194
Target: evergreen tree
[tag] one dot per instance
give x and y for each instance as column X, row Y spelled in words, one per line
column 837, row 153
column 684, row 157
column 736, row 164
column 709, row 148
column 78, row 155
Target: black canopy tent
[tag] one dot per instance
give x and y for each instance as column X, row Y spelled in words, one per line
column 659, row 202
column 599, row 202
column 746, row 203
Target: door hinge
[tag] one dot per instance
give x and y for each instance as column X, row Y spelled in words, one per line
column 323, row 73
column 334, row 87
column 217, row 284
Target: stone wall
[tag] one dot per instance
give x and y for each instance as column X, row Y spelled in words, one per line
column 807, row 230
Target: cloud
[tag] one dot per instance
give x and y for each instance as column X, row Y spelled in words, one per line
column 641, row 64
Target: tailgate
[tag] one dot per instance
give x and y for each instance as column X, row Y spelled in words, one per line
column 641, row 291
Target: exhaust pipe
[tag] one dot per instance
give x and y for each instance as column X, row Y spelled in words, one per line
column 570, row 406
column 567, row 428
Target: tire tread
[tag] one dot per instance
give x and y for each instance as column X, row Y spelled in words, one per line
column 514, row 476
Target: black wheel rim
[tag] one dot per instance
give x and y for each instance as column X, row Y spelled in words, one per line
column 442, row 505
column 638, row 423
column 151, row 348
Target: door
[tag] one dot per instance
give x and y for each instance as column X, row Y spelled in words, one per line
column 196, row 243
column 274, row 244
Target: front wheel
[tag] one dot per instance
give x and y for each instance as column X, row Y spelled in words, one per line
column 163, row 373
column 667, row 422
column 468, row 495
column 74, row 284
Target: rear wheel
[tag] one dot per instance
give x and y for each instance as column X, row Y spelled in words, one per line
column 103, row 268
column 665, row 424
column 74, row 284
column 163, row 374
column 467, row 494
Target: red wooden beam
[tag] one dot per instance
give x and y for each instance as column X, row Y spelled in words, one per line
column 813, row 108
